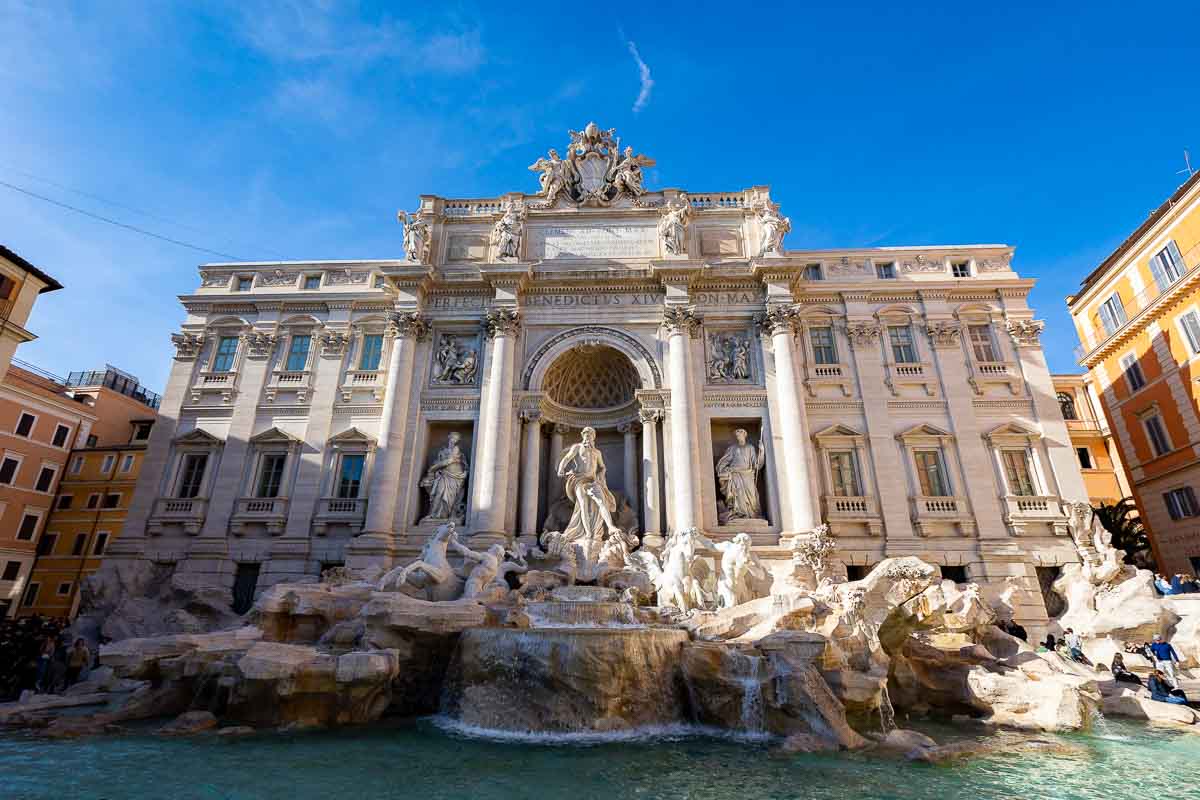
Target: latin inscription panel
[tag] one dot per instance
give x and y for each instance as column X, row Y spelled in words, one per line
column 594, row 241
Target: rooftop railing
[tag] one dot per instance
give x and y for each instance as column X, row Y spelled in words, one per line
column 114, row 380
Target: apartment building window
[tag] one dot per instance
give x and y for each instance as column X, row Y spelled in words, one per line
column 1190, row 322
column 1181, row 503
column 1133, row 372
column 903, row 349
column 1167, row 265
column 961, row 269
column 1067, row 404
column 8, row 469
column 64, row 588
column 372, row 351
column 101, row 543
column 127, row 463
column 107, row 465
column 270, row 475
column 45, row 545
column 12, row 571
column 244, row 283
column 25, row 424
column 1085, row 457
column 192, row 475
column 31, row 594
column 28, row 526
column 76, row 465
column 141, row 431
column 45, row 479
column 61, row 432
column 812, row 272
column 297, row 358
column 350, row 475
column 226, row 350
column 931, row 473
column 112, row 500
column 823, row 345
column 312, row 281
column 982, row 344
column 885, row 271
column 92, row 440
column 1157, row 434
column 844, row 474
column 1112, row 314
column 80, row 544
column 1020, row 476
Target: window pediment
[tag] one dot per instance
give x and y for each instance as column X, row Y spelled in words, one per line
column 352, row 437
column 838, row 433
column 925, row 433
column 200, row 437
column 274, row 436
column 1011, row 433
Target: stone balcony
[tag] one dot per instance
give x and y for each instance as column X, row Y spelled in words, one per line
column 186, row 512
column 839, row 375
column 222, row 383
column 363, row 379
column 1005, row 373
column 928, row 512
column 911, row 373
column 268, row 511
column 853, row 509
column 349, row 511
column 298, row 381
column 1020, row 511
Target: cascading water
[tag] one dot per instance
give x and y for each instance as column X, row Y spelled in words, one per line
column 887, row 714
column 746, row 672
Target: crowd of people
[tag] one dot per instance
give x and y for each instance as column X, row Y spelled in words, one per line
column 36, row 653
column 1180, row 584
column 1163, row 681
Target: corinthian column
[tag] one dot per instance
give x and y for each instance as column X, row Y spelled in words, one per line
column 681, row 324
column 493, row 445
column 531, row 466
column 629, row 430
column 558, row 432
column 792, row 453
column 650, row 501
column 406, row 329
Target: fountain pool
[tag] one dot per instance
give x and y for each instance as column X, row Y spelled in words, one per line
column 430, row 760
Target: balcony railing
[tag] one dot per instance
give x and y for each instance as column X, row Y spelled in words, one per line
column 850, row 506
column 270, row 511
column 1033, row 506
column 948, row 507
column 187, row 512
column 350, row 511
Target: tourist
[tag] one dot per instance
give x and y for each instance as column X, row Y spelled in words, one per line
column 1075, row 646
column 1049, row 645
column 1121, row 674
column 1161, row 691
column 1162, row 584
column 79, row 660
column 1014, row 629
column 43, row 667
column 1165, row 658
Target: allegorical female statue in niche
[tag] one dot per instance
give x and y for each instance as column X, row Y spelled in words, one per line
column 737, row 474
column 445, row 480
column 583, row 467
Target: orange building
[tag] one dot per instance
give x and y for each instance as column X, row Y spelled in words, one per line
column 20, row 285
column 94, row 493
column 1138, row 319
column 1099, row 459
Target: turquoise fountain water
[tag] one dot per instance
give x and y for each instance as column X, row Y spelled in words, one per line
column 424, row 760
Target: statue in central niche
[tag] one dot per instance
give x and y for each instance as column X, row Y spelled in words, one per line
column 583, row 467
column 737, row 475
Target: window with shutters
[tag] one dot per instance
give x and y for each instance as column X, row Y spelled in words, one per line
column 983, row 346
column 1190, row 323
column 931, row 473
column 270, row 475
column 225, row 353
column 824, row 348
column 1181, row 503
column 1133, row 372
column 1112, row 314
column 372, row 351
column 1167, row 265
column 191, row 477
column 350, row 474
column 1156, row 433
column 903, row 349
column 297, row 358
column 843, row 474
column 1018, row 473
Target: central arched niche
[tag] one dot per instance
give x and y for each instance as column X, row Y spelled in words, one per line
column 591, row 377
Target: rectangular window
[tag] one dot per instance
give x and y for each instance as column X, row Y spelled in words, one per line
column 350, row 477
column 76, row 465
column 1157, row 435
column 61, row 432
column 64, row 501
column 312, row 281
column 297, row 358
column 1167, row 266
column 28, row 527
column 885, row 271
column 982, row 344
column 1016, row 469
column 45, row 479
column 1085, row 457
column 93, row 500
column 107, row 465
column 931, row 474
column 100, row 544
column 64, row 588
column 1133, row 372
column 45, row 545
column 8, row 470
column 812, row 272
column 1181, row 503
column 226, row 350
column 25, row 424
column 80, row 543
column 244, row 284
column 844, row 474
column 31, row 593
column 141, row 431
column 12, row 571
column 1112, row 314
column 824, row 348
column 903, row 350
column 270, row 475
column 372, row 351
column 961, row 269
column 192, row 475
column 127, row 463
column 112, row 500
column 1190, row 322
column 92, row 440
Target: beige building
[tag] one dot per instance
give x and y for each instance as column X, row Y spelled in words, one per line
column 323, row 412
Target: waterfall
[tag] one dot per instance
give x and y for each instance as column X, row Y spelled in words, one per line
column 887, row 714
column 745, row 671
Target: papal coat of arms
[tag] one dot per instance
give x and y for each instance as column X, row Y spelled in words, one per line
column 595, row 172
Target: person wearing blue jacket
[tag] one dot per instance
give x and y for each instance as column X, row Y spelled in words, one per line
column 1165, row 658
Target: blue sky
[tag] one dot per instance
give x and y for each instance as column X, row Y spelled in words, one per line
column 297, row 129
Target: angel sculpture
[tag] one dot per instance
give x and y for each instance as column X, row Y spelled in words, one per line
column 672, row 226
column 556, row 176
column 774, row 228
column 627, row 173
column 416, row 236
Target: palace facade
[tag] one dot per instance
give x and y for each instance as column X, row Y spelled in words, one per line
column 327, row 413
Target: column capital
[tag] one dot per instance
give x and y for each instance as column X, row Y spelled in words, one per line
column 681, row 319
column 626, row 428
column 780, row 318
column 561, row 430
column 333, row 343
column 649, row 416
column 259, row 344
column 408, row 324
column 187, row 345
column 532, row 415
column 943, row 334
column 863, row 333
column 502, row 322
column 1026, row 332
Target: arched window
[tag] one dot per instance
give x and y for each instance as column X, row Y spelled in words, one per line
column 1067, row 403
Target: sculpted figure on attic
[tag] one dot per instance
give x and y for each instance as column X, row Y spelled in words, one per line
column 595, row 171
column 416, row 237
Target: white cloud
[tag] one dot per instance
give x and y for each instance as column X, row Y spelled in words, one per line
column 647, row 82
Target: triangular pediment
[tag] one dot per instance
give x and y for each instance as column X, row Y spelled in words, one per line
column 837, row 429
column 273, row 435
column 924, row 429
column 1011, row 429
column 352, row 436
column 198, row 436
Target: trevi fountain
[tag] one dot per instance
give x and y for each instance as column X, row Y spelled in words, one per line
column 773, row 630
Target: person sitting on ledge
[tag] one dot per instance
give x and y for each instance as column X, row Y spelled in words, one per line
column 1075, row 647
column 1162, row 585
column 1014, row 628
column 1161, row 691
column 1049, row 645
column 1121, row 673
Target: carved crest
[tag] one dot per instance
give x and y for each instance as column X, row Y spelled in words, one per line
column 595, row 172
